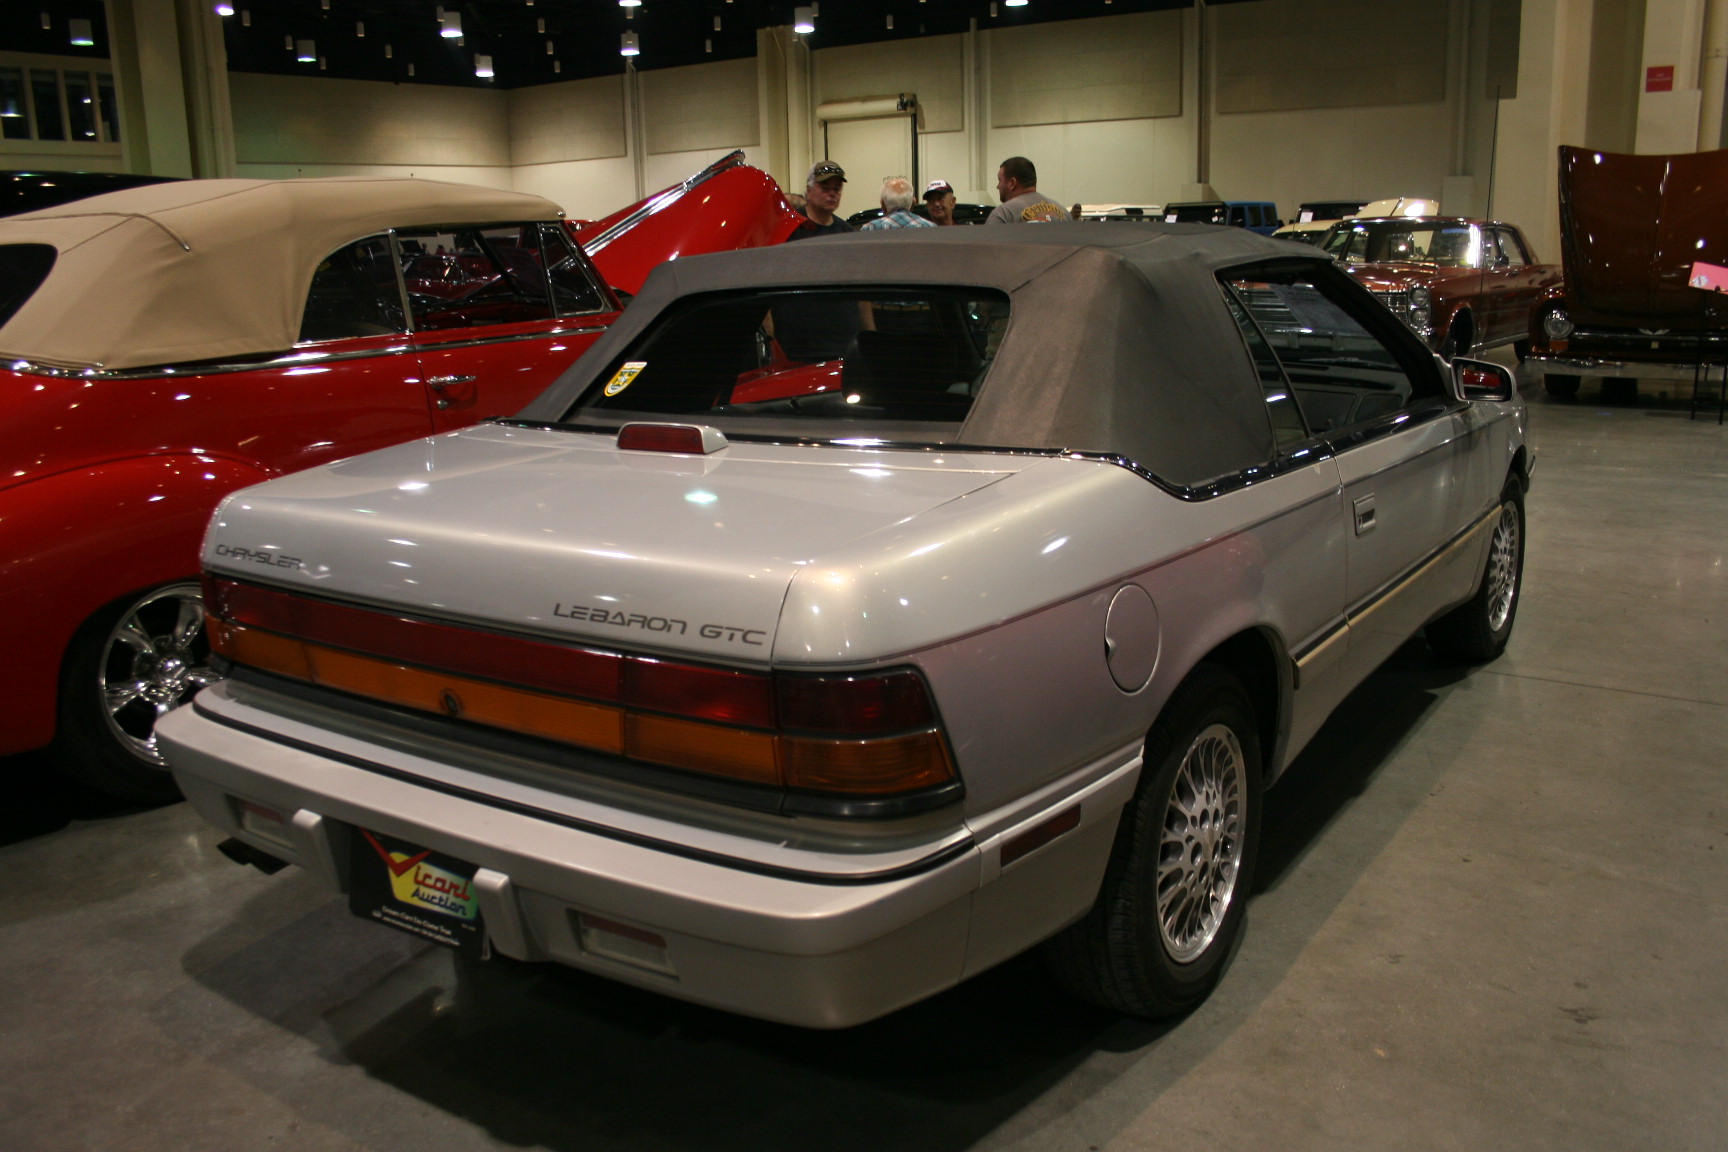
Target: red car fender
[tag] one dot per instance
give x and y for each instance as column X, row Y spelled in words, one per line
column 72, row 543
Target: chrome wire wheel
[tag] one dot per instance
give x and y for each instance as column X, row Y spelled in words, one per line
column 1503, row 566
column 1200, row 855
column 155, row 657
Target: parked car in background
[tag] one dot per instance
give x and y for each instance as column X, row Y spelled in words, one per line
column 963, row 214
column 726, row 206
column 31, row 191
column 162, row 348
column 804, row 704
column 1255, row 215
column 1463, row 285
column 1311, row 210
column 1129, row 213
column 1632, row 228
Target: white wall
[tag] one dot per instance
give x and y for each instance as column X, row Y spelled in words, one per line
column 1108, row 109
column 295, row 126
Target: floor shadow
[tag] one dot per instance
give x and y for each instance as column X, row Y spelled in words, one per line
column 42, row 800
column 1345, row 755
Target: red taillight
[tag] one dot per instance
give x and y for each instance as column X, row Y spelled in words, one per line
column 516, row 659
column 717, row 694
column 866, row 704
column 870, row 734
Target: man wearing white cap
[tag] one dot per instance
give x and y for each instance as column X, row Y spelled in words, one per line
column 939, row 202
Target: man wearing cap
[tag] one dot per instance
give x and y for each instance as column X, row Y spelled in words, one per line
column 822, row 188
column 939, row 202
column 897, row 198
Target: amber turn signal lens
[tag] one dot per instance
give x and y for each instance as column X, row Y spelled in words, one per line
column 733, row 752
column 870, row 767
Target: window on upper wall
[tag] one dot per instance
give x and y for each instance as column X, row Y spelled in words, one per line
column 61, row 104
column 1344, row 368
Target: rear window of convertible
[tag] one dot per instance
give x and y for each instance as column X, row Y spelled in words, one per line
column 23, row 267
column 827, row 361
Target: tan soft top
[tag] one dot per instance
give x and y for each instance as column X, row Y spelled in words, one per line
column 202, row 269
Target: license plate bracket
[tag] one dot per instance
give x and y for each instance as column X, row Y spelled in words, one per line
column 415, row 890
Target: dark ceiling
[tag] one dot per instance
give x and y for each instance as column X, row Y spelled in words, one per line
column 384, row 39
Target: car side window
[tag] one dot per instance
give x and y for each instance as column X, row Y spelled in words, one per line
column 354, row 293
column 1511, row 248
column 472, row 277
column 575, row 289
column 1342, row 372
column 1287, row 424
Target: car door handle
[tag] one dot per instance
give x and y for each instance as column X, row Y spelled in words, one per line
column 439, row 384
column 1364, row 510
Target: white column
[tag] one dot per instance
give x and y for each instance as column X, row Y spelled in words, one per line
column 1713, row 75
column 1549, row 110
column 1673, row 39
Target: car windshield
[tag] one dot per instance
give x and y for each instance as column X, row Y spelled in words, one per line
column 816, row 362
column 1449, row 245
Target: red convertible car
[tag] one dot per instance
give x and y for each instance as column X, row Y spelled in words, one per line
column 165, row 345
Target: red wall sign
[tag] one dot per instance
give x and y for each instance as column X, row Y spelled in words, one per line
column 1659, row 78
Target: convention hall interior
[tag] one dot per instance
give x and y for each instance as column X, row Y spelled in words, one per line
column 1488, row 908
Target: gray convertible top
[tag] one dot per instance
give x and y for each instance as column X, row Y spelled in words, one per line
column 1118, row 339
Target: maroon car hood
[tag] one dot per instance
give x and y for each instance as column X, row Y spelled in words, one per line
column 1632, row 226
column 726, row 206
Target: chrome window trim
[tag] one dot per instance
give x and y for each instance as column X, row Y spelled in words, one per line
column 311, row 355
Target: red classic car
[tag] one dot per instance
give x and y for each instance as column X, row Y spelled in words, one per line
column 166, row 345
column 1635, row 305
column 1463, row 285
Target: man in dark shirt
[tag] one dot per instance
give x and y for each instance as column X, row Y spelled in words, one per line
column 822, row 188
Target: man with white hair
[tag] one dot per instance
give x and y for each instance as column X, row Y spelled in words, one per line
column 897, row 200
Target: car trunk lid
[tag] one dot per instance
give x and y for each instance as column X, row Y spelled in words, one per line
column 561, row 533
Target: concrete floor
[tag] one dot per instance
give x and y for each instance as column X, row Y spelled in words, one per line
column 1490, row 916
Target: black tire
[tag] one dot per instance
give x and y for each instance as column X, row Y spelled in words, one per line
column 1141, row 949
column 128, row 664
column 1458, row 336
column 1477, row 630
column 1521, row 349
column 1561, row 387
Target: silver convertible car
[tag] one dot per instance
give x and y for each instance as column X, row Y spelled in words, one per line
column 859, row 613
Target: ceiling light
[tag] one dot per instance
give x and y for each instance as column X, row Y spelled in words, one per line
column 629, row 3
column 9, row 110
column 628, row 45
column 389, row 51
column 1015, row 3
column 360, row 29
column 483, row 66
column 804, row 20
column 557, row 65
column 451, row 25
column 305, row 51
column 410, row 69
column 47, row 22
column 716, row 23
column 890, row 21
column 707, row 45
column 245, row 17
column 224, row 9
column 540, row 25
column 82, row 37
